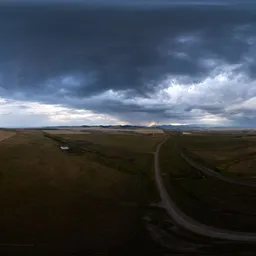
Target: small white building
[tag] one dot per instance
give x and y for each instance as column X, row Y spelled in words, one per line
column 64, row 148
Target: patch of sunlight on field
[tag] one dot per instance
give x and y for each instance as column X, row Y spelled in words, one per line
column 65, row 132
column 6, row 135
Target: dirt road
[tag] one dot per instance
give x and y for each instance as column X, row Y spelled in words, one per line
column 214, row 174
column 186, row 222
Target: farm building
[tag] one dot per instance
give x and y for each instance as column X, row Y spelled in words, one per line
column 64, row 148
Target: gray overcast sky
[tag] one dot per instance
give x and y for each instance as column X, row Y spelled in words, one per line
column 137, row 62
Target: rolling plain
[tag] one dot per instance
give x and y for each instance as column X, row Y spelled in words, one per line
column 89, row 197
column 99, row 195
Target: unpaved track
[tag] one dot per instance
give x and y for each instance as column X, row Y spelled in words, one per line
column 182, row 220
column 214, row 174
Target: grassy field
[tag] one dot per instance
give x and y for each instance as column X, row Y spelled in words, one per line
column 231, row 154
column 206, row 199
column 88, row 200
column 66, row 131
column 123, row 130
column 131, row 141
column 6, row 135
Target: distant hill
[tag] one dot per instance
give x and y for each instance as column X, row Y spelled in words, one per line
column 161, row 126
column 178, row 127
column 116, row 126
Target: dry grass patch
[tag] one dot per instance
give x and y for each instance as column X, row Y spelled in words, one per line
column 6, row 135
column 65, row 132
column 147, row 131
column 208, row 200
column 230, row 153
column 134, row 142
column 51, row 197
column 124, row 131
column 246, row 167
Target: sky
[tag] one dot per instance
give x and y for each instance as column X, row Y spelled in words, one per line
column 140, row 62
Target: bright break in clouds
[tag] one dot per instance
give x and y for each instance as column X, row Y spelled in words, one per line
column 127, row 62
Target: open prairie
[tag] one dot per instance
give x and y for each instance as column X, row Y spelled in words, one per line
column 121, row 130
column 90, row 198
column 69, row 131
column 230, row 153
column 6, row 135
column 209, row 200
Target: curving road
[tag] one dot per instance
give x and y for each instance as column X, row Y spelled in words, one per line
column 184, row 221
column 214, row 174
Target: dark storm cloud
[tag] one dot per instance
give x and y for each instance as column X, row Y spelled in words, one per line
column 69, row 54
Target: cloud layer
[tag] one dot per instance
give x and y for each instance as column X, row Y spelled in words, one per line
column 163, row 63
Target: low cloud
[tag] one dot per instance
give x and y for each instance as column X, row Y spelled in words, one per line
column 34, row 114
